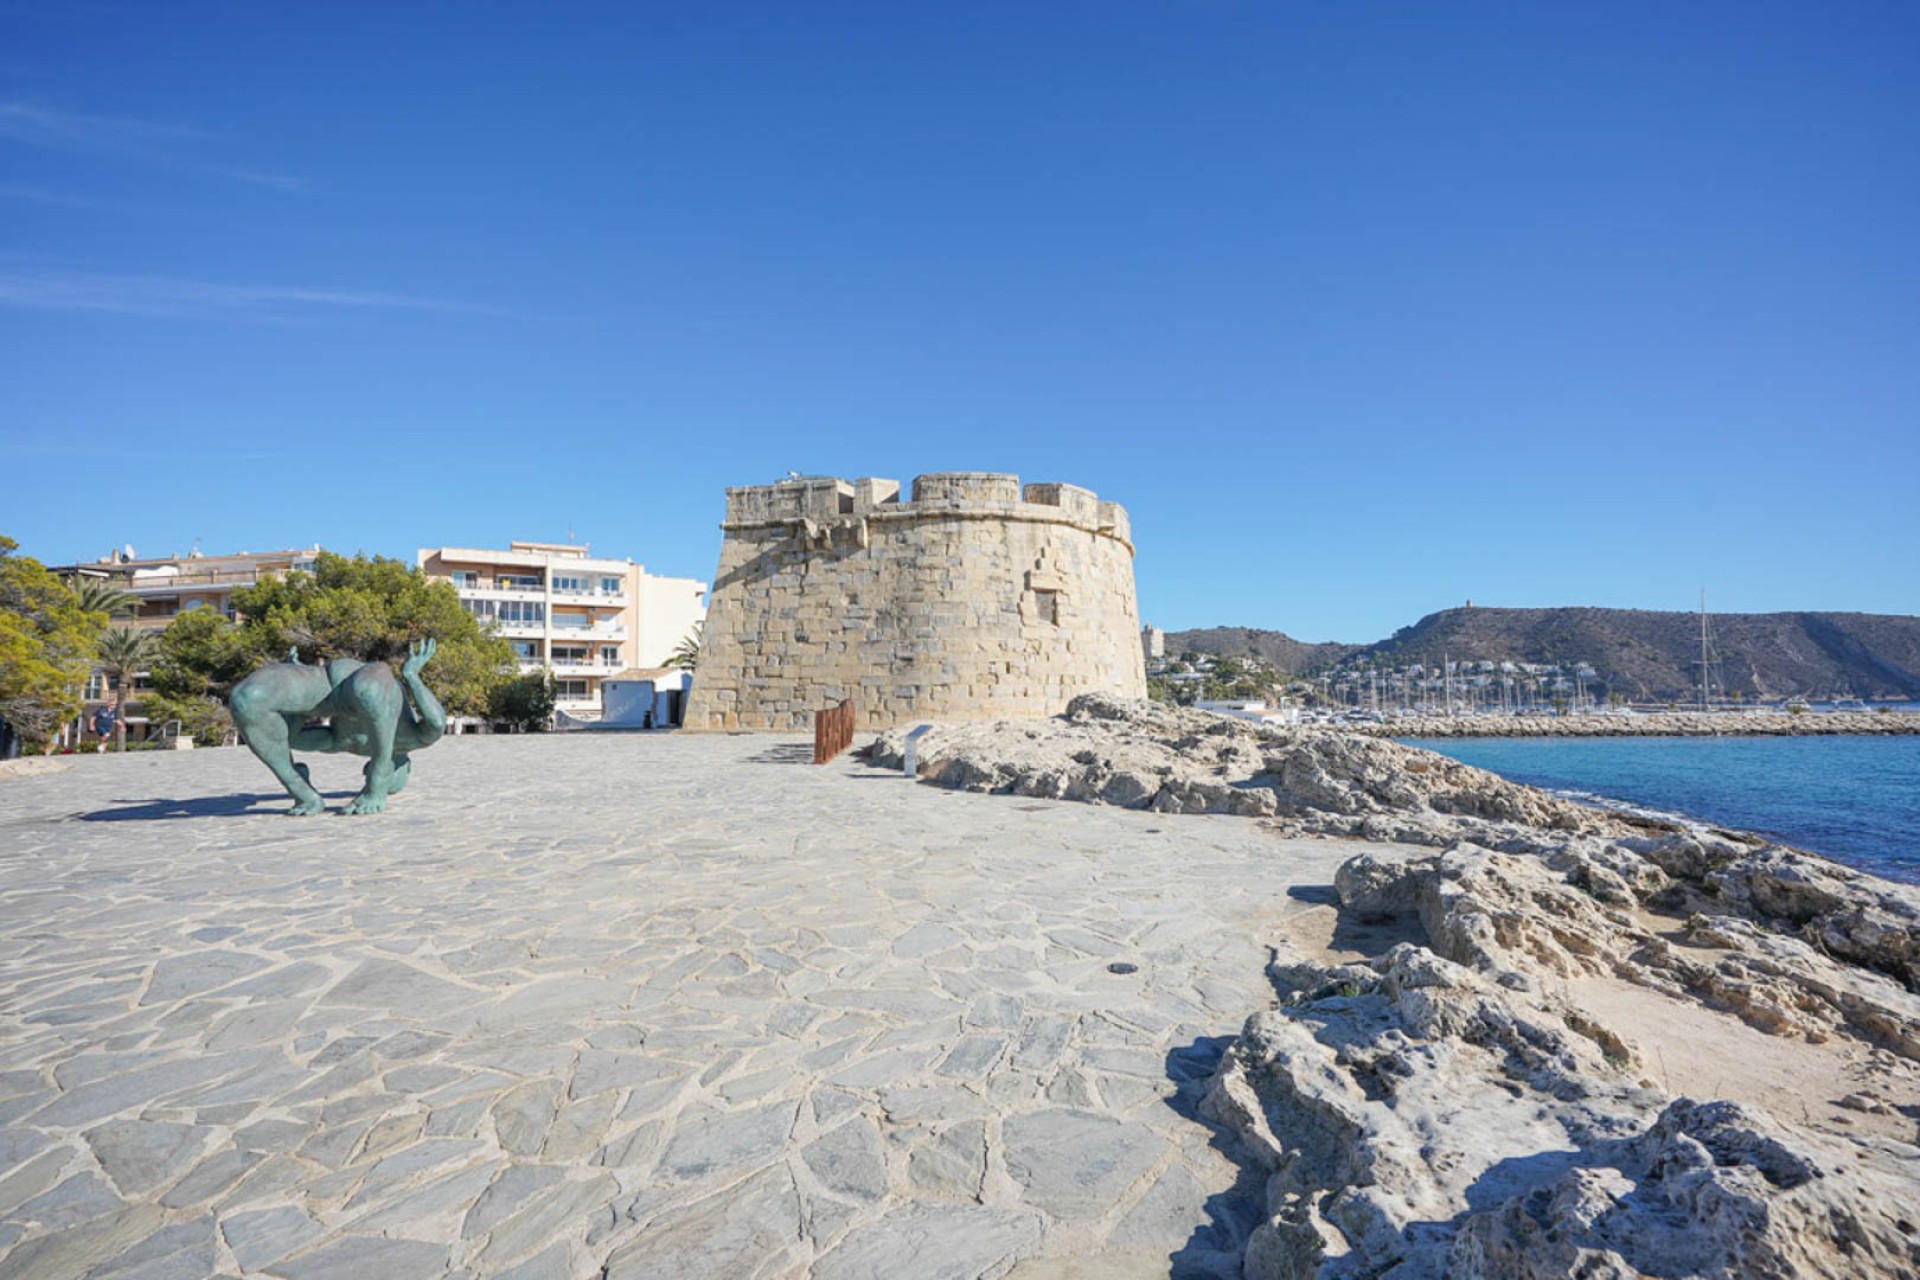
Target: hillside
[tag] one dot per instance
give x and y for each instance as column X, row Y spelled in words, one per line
column 1276, row 648
column 1639, row 654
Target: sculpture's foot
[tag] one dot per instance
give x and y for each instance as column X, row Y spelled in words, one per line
column 367, row 802
column 301, row 808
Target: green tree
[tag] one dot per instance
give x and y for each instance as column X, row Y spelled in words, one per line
column 524, row 702
column 373, row 609
column 46, row 646
column 686, row 654
column 202, row 656
column 123, row 653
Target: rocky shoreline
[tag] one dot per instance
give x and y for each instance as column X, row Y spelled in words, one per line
column 1443, row 1100
column 1658, row 724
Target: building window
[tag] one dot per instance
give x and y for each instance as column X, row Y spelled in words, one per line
column 568, row 583
column 96, row 686
column 569, row 653
column 517, row 581
column 570, row 689
column 1047, row 605
column 525, row 650
column 572, row 621
column 610, row 655
column 465, row 579
column 523, row 613
column 612, row 586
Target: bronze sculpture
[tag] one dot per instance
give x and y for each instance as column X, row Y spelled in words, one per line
column 368, row 712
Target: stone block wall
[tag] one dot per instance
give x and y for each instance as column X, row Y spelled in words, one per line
column 974, row 599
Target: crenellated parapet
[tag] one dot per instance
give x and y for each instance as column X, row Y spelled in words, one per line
column 967, row 597
column 985, row 495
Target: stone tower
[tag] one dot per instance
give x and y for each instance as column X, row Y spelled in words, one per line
column 976, row 600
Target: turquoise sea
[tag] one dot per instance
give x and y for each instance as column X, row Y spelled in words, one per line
column 1857, row 800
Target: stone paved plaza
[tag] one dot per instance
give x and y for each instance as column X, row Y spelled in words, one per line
column 653, row 1005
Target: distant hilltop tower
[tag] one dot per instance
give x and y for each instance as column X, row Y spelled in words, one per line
column 976, row 600
column 1153, row 643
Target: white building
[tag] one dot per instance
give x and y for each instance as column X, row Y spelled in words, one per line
column 584, row 618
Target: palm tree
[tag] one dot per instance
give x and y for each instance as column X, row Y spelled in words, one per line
column 123, row 653
column 686, row 654
column 97, row 595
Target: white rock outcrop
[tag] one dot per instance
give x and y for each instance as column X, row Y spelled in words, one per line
column 1445, row 1108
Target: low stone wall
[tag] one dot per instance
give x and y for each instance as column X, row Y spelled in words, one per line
column 1662, row 724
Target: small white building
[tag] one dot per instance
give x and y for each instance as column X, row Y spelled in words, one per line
column 644, row 698
column 1255, row 709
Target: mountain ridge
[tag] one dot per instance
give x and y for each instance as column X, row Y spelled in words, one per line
column 1641, row 654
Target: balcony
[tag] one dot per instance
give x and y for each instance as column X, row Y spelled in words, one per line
column 567, row 667
column 488, row 589
column 569, row 631
column 141, row 584
column 518, row 630
column 590, row 595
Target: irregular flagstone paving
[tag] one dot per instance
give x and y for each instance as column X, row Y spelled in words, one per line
column 633, row 1005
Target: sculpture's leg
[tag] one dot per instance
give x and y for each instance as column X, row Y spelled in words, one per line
column 268, row 736
column 402, row 767
column 378, row 703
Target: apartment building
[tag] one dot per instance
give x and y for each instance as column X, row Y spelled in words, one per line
column 164, row 587
column 581, row 617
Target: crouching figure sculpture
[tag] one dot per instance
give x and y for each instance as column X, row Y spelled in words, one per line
column 367, row 713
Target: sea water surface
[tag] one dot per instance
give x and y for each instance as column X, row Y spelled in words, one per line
column 1855, row 799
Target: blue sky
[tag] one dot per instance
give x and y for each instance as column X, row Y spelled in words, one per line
column 1362, row 310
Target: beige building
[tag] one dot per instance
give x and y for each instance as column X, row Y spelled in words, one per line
column 970, row 598
column 582, row 617
column 164, row 587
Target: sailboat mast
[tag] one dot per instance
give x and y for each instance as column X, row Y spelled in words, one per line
column 1703, row 650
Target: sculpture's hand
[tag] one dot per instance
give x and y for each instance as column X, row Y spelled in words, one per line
column 418, row 655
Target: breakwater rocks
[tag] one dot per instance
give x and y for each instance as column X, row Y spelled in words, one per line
column 1655, row 724
column 1450, row 1104
column 1147, row 755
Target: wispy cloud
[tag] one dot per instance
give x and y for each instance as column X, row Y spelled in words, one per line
column 42, row 195
column 45, row 126
column 154, row 141
column 174, row 298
